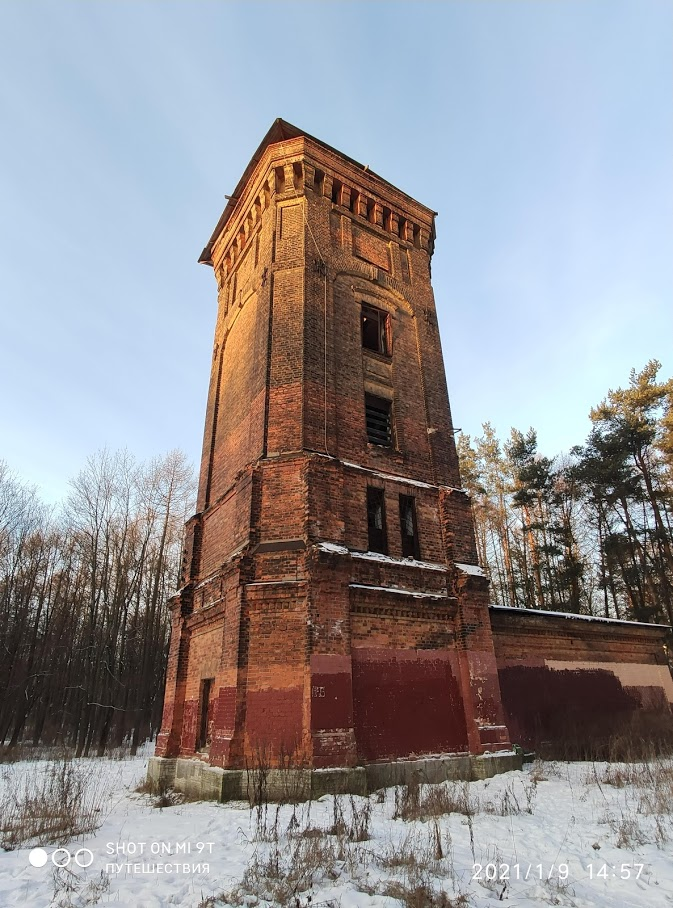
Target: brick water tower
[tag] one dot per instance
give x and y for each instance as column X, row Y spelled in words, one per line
column 331, row 604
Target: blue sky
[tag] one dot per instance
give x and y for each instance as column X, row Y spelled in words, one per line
column 542, row 133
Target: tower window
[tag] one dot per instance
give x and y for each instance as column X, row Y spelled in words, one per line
column 378, row 416
column 376, row 330
column 376, row 520
column 409, row 528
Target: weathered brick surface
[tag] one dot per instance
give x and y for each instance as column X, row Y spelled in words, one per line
column 523, row 635
column 558, row 672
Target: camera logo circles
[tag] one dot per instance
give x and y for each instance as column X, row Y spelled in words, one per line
column 38, row 857
column 61, row 857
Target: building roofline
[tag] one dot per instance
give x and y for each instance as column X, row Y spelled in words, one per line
column 282, row 131
column 596, row 618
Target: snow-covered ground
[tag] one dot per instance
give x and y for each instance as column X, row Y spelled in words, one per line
column 562, row 834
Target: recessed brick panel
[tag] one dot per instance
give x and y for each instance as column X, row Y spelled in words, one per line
column 371, row 248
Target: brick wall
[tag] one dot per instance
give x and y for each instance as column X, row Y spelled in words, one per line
column 562, row 672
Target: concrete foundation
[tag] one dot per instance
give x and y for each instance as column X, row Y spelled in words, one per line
column 199, row 781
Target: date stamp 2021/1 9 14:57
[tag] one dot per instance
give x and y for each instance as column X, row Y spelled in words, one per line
column 503, row 872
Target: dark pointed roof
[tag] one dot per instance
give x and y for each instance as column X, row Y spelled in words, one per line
column 280, row 131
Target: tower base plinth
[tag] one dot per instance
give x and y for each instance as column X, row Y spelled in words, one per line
column 200, row 781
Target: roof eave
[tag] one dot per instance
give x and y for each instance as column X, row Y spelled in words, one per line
column 280, row 130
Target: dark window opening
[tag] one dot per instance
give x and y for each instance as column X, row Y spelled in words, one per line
column 376, row 330
column 205, row 715
column 409, row 527
column 404, row 261
column 378, row 417
column 280, row 179
column 298, row 175
column 376, row 520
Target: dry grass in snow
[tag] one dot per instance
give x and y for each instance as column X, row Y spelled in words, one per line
column 573, row 834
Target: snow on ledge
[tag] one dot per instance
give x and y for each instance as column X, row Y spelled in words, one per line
column 403, row 562
column 395, row 478
column 573, row 616
column 335, row 548
column 401, row 592
column 473, row 569
column 497, row 753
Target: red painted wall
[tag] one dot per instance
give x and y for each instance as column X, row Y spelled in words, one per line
column 274, row 722
column 550, row 703
column 406, row 702
column 543, row 705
